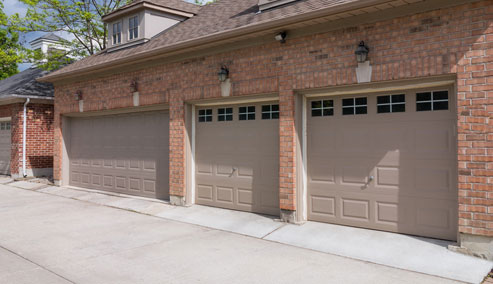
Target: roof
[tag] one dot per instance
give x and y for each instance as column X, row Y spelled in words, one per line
column 24, row 84
column 171, row 4
column 50, row 36
column 215, row 19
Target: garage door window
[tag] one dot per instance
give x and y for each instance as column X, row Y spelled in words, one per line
column 354, row 106
column 205, row 115
column 247, row 113
column 429, row 101
column 225, row 114
column 323, row 108
column 270, row 112
column 5, row 125
column 393, row 103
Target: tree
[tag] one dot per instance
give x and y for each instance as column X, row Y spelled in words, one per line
column 204, row 2
column 10, row 49
column 81, row 19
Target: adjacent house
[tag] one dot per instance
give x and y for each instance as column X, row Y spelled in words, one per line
column 367, row 113
column 26, row 119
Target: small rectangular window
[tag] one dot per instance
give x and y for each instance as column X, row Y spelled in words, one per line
column 2, row 126
column 205, row 115
column 353, row 106
column 7, row 126
column 133, row 27
column 323, row 108
column 270, row 112
column 225, row 114
column 430, row 101
column 117, row 33
column 391, row 103
column 247, row 113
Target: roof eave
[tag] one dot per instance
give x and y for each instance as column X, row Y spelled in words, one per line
column 218, row 36
column 144, row 4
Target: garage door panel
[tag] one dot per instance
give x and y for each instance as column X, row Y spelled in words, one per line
column 245, row 196
column 115, row 159
column 392, row 171
column 355, row 209
column 237, row 162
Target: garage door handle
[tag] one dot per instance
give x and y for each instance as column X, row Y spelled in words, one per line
column 232, row 172
column 370, row 179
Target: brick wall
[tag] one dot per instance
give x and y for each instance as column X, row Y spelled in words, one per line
column 457, row 40
column 39, row 136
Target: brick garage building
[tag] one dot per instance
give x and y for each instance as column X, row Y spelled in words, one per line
column 22, row 97
column 399, row 142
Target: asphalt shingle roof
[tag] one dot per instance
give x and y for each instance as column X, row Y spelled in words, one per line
column 50, row 36
column 172, row 4
column 24, row 84
column 215, row 18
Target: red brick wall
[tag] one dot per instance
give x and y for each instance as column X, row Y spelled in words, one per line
column 457, row 40
column 39, row 136
column 39, row 130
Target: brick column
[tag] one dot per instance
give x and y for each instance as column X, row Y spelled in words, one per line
column 475, row 146
column 57, row 149
column 287, row 152
column 177, row 155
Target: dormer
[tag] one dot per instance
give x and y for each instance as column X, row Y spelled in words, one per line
column 140, row 20
column 268, row 4
column 48, row 42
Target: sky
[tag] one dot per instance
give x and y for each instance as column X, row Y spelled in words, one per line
column 14, row 6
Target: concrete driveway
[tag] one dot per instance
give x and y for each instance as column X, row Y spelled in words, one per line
column 51, row 239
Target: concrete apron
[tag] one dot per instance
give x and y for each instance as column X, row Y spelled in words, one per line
column 417, row 254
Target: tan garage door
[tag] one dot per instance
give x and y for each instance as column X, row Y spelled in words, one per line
column 5, row 147
column 384, row 161
column 125, row 153
column 237, row 157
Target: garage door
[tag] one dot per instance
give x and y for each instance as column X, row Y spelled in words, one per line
column 384, row 161
column 126, row 153
column 5, row 146
column 237, row 157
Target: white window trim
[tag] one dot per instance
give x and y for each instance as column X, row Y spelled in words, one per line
column 226, row 114
column 113, row 32
column 247, row 112
column 354, row 106
column 135, row 27
column 270, row 112
column 322, row 108
column 205, row 115
column 431, row 99
column 391, row 104
column 4, row 124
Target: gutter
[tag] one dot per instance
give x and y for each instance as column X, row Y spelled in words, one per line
column 241, row 31
column 24, row 142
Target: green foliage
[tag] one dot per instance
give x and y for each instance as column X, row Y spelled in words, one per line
column 10, row 49
column 204, row 2
column 79, row 18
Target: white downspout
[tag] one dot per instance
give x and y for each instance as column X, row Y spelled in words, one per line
column 24, row 126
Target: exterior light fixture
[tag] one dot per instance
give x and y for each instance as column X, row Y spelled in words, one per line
column 281, row 37
column 134, row 86
column 361, row 52
column 223, row 74
column 78, row 95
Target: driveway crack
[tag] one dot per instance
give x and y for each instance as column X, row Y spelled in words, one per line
column 36, row 264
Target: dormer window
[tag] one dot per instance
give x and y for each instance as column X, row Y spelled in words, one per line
column 133, row 27
column 117, row 33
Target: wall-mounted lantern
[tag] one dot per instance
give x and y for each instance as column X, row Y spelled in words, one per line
column 223, row 74
column 281, row 37
column 134, row 85
column 78, row 95
column 362, row 52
